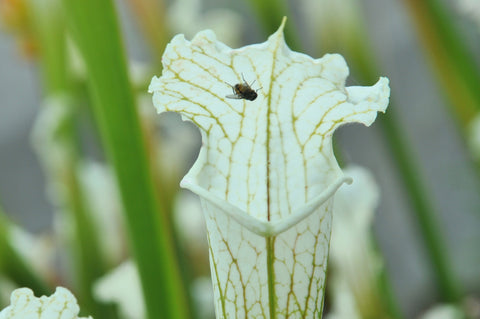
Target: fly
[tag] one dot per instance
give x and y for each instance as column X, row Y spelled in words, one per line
column 243, row 91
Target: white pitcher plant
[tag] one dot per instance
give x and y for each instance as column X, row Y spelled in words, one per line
column 266, row 173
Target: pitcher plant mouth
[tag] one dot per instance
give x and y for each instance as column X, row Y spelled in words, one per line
column 263, row 227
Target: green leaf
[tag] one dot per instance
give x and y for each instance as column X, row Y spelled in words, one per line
column 94, row 26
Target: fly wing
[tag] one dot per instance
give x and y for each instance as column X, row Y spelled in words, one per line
column 234, row 96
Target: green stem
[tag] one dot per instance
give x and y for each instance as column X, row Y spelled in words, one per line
column 49, row 28
column 455, row 66
column 95, row 29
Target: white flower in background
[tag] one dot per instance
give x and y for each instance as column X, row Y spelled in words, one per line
column 51, row 146
column 343, row 302
column 190, row 222
column 337, row 21
column 24, row 305
column 355, row 264
column 122, row 287
column 177, row 142
column 57, row 155
column 38, row 250
column 443, row 312
column 202, row 295
column 187, row 16
column 101, row 195
column 474, row 137
column 266, row 172
column 470, row 8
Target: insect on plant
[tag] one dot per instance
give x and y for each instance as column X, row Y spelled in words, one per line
column 243, row 91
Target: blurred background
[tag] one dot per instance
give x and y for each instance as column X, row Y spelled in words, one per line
column 395, row 39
